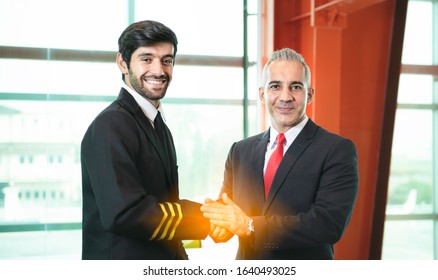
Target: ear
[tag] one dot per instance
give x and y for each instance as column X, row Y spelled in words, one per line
column 262, row 94
column 310, row 94
column 121, row 64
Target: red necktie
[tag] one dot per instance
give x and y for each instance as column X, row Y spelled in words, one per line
column 274, row 162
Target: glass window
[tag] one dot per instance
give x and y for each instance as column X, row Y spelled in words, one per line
column 415, row 89
column 201, row 150
column 206, row 82
column 417, row 47
column 47, row 103
column 59, row 77
column 202, row 27
column 408, row 240
column 411, row 214
column 62, row 24
column 411, row 180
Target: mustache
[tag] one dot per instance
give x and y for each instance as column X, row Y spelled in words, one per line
column 284, row 105
column 158, row 77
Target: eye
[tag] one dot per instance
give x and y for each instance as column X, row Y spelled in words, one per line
column 274, row 87
column 296, row 88
column 146, row 59
column 168, row 61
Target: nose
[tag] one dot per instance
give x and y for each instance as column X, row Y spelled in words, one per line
column 157, row 67
column 286, row 95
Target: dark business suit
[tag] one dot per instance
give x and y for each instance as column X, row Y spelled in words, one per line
column 310, row 201
column 131, row 205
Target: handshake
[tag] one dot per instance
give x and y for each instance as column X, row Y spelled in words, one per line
column 226, row 218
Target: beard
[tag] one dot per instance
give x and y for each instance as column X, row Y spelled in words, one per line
column 146, row 90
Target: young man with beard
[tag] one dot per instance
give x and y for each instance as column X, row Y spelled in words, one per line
column 131, row 204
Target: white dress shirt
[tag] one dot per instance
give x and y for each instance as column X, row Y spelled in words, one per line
column 148, row 109
column 290, row 136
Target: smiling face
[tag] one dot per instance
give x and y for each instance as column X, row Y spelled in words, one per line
column 286, row 94
column 150, row 70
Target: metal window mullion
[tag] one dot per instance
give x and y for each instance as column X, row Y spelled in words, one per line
column 245, row 69
column 434, row 124
column 435, row 166
column 131, row 11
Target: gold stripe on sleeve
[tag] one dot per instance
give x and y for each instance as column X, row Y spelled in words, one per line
column 161, row 223
column 180, row 216
column 166, row 229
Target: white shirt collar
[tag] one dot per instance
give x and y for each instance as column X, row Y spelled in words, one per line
column 290, row 135
column 148, row 109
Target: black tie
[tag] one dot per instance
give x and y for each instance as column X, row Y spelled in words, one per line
column 161, row 133
column 159, row 129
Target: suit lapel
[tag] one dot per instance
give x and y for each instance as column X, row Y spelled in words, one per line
column 153, row 138
column 129, row 103
column 258, row 160
column 296, row 149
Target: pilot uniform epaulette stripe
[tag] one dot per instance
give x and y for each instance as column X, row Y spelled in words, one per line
column 163, row 219
column 180, row 216
column 169, row 222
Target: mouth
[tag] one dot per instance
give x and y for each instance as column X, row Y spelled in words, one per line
column 155, row 81
column 285, row 109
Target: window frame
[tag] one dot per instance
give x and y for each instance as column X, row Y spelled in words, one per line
column 420, row 69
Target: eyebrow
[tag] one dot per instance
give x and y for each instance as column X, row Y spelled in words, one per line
column 151, row 54
column 279, row 82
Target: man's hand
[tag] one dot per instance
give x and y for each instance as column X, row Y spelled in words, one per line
column 220, row 235
column 228, row 216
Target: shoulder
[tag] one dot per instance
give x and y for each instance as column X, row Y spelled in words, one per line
column 254, row 138
column 122, row 109
column 318, row 133
column 113, row 121
column 247, row 146
column 332, row 137
column 251, row 140
column 328, row 135
column 115, row 114
column 330, row 143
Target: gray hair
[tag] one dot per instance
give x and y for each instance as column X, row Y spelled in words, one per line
column 286, row 54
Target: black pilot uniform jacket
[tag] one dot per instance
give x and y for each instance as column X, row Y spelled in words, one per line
column 131, row 204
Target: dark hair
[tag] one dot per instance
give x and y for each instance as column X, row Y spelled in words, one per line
column 144, row 33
